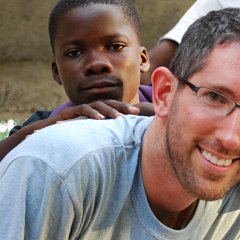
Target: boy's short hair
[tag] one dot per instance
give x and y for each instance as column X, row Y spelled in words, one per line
column 217, row 27
column 128, row 8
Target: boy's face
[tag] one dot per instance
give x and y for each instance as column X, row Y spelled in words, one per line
column 97, row 55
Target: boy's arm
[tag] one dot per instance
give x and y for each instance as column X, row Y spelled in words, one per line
column 7, row 144
column 95, row 110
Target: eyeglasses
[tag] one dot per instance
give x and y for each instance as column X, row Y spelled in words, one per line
column 213, row 100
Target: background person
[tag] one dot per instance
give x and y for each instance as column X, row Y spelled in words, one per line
column 162, row 53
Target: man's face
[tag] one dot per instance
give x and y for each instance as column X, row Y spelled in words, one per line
column 197, row 141
column 98, row 55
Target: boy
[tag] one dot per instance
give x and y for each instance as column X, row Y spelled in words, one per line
column 97, row 56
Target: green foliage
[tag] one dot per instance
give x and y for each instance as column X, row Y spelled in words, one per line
column 3, row 135
column 6, row 126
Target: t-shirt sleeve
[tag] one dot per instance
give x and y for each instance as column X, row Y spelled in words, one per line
column 197, row 10
column 35, row 203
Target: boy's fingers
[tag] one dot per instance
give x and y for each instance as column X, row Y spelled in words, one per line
column 98, row 110
column 145, row 108
column 80, row 110
column 117, row 107
column 88, row 111
column 105, row 110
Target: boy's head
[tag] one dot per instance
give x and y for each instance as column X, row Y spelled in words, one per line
column 63, row 6
column 97, row 52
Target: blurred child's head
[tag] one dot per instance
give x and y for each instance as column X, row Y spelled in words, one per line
column 97, row 52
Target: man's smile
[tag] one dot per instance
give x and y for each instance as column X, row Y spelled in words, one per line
column 217, row 161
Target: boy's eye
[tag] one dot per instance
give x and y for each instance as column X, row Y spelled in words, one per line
column 74, row 53
column 116, row 46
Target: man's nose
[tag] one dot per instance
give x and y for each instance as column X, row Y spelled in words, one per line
column 228, row 132
column 97, row 63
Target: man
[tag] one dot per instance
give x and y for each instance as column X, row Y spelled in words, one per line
column 172, row 176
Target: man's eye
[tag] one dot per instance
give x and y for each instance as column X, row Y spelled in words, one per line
column 117, row 46
column 215, row 97
column 74, row 53
column 212, row 97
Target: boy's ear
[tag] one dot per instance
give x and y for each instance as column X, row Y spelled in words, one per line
column 163, row 86
column 144, row 61
column 55, row 73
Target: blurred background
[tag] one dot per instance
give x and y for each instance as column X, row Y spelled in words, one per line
column 26, row 83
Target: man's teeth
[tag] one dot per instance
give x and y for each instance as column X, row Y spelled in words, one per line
column 216, row 161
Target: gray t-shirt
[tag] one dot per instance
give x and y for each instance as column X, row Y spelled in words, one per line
column 82, row 180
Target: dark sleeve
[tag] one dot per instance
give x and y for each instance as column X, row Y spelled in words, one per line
column 38, row 115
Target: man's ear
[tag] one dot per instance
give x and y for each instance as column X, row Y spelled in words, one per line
column 144, row 61
column 55, row 73
column 163, row 87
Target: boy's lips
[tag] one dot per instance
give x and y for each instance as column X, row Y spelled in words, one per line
column 100, row 84
column 99, row 88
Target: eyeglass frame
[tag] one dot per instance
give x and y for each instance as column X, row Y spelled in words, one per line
column 195, row 89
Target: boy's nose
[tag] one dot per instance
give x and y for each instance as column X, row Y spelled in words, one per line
column 97, row 64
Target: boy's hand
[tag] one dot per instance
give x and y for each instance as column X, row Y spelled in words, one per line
column 95, row 110
column 99, row 110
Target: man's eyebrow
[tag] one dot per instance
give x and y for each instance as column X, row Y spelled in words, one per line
column 224, row 90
